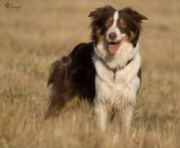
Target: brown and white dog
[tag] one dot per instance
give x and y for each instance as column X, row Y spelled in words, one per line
column 106, row 71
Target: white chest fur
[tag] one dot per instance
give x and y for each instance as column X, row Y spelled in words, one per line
column 121, row 89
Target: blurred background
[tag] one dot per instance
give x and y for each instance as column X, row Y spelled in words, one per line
column 33, row 34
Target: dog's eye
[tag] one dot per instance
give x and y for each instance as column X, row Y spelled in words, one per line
column 123, row 25
column 108, row 23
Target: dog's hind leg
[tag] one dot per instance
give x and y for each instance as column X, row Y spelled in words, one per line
column 55, row 108
column 63, row 94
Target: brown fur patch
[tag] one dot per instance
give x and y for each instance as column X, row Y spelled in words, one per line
column 71, row 103
column 100, row 37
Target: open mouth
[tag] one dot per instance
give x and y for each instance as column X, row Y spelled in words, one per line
column 113, row 46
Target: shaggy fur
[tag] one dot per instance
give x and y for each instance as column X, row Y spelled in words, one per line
column 71, row 79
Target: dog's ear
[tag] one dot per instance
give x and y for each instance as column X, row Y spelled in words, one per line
column 135, row 15
column 97, row 15
column 99, row 12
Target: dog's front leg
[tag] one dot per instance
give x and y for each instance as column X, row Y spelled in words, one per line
column 101, row 115
column 126, row 117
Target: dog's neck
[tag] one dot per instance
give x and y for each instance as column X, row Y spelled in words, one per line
column 117, row 68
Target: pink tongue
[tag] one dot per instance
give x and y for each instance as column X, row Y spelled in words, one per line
column 113, row 47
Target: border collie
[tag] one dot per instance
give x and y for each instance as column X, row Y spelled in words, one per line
column 106, row 71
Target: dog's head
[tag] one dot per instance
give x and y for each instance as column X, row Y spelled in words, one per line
column 111, row 28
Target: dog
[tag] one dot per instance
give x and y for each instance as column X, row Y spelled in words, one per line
column 106, row 71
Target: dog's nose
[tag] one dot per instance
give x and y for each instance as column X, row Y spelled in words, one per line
column 112, row 35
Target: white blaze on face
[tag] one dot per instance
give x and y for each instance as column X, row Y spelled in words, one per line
column 115, row 29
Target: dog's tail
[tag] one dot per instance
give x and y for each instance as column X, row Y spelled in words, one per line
column 62, row 93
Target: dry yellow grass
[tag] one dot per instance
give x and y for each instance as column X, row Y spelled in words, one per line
column 42, row 31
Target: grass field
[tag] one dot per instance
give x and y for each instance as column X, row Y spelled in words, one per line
column 39, row 32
